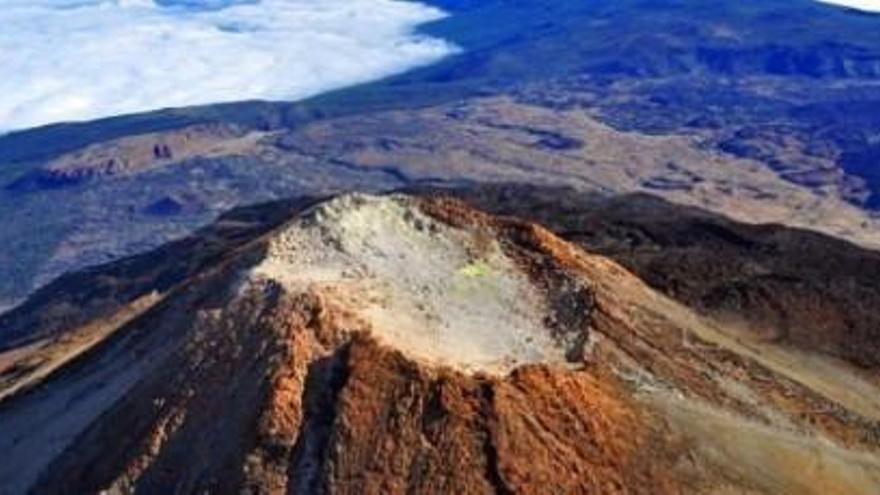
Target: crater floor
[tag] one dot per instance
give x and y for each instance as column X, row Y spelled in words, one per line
column 447, row 295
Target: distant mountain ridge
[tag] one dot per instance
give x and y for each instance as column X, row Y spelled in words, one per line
column 532, row 25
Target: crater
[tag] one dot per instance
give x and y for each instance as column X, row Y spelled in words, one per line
column 449, row 295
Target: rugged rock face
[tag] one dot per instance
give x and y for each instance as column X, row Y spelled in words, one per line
column 134, row 154
column 778, row 284
column 405, row 344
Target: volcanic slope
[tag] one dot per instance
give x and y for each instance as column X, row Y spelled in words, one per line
column 403, row 344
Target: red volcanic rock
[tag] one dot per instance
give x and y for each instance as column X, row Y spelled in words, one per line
column 397, row 345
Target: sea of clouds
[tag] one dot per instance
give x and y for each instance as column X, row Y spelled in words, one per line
column 72, row 60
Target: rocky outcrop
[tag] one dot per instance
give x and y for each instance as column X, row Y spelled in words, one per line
column 779, row 284
column 132, row 155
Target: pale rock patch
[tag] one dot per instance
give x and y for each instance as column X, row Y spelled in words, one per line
column 438, row 293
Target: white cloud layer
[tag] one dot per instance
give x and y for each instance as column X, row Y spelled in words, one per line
column 866, row 5
column 69, row 60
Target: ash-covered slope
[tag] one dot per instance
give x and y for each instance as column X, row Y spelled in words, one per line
column 401, row 344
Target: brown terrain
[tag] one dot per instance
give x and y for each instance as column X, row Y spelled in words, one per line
column 125, row 196
column 136, row 154
column 414, row 344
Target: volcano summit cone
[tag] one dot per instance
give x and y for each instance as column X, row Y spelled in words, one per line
column 410, row 344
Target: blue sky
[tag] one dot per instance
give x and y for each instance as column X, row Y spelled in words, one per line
column 68, row 60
